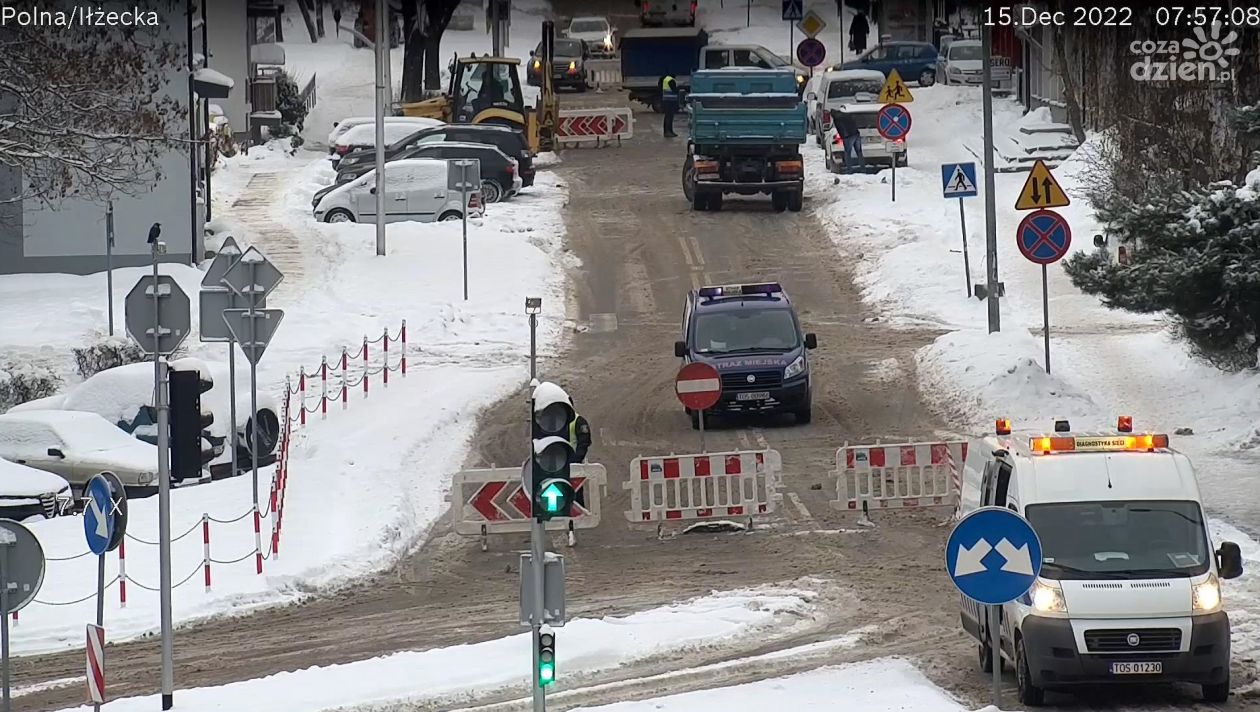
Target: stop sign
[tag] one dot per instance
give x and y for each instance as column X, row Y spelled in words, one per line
column 698, row 386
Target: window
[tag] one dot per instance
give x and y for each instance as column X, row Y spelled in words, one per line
column 715, row 59
column 1003, row 484
column 960, row 51
column 1133, row 539
column 568, row 48
column 908, row 51
column 770, row 59
column 588, row 26
column 746, row 330
column 22, row 440
column 925, row 52
column 876, row 54
column 986, row 482
column 749, row 58
column 843, row 88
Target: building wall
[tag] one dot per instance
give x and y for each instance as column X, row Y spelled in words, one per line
column 69, row 236
column 228, row 30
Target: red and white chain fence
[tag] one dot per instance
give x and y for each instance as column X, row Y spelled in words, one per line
column 351, row 370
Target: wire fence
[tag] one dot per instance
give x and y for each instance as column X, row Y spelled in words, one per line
column 352, row 371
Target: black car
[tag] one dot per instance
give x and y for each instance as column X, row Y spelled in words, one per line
column 568, row 65
column 498, row 172
column 506, row 139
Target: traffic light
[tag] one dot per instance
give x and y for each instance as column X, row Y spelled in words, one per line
column 187, row 421
column 552, row 491
column 546, row 656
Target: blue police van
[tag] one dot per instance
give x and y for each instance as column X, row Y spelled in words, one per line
column 751, row 335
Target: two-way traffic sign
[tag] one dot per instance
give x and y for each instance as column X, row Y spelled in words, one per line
column 993, row 555
column 1041, row 190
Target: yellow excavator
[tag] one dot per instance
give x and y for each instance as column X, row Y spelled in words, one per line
column 487, row 90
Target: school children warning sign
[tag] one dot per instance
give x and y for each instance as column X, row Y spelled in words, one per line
column 895, row 91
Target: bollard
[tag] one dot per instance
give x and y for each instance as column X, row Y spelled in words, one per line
column 122, row 573
column 258, row 558
column 345, row 383
column 404, row 347
column 365, row 366
column 302, row 395
column 385, row 356
column 205, row 540
column 323, row 387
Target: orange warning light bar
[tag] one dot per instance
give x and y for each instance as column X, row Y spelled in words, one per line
column 1149, row 442
column 1003, row 426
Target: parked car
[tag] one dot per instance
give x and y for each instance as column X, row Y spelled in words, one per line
column 812, row 102
column 364, row 136
column 660, row 13
column 568, row 65
column 914, row 61
column 341, row 127
column 875, row 149
column 508, row 140
column 598, row 34
column 500, row 178
column 416, row 189
column 846, row 86
column 26, row 492
column 77, row 445
column 123, row 395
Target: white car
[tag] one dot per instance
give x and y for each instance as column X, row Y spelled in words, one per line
column 364, row 136
column 844, row 86
column 962, row 63
column 875, row 149
column 26, row 493
column 600, row 36
column 418, row 189
column 123, row 396
column 341, row 127
column 813, row 103
column 76, row 446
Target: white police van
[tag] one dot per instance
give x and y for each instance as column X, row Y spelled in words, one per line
column 1129, row 589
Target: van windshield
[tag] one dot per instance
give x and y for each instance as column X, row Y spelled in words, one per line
column 751, row 330
column 1125, row 540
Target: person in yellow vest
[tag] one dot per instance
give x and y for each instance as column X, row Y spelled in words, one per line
column 669, row 103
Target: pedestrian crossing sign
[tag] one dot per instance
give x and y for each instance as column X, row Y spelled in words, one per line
column 895, row 91
column 1041, row 190
column 958, row 180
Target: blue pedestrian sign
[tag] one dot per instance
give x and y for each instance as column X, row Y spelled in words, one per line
column 98, row 515
column 958, row 180
column 893, row 122
column 1044, row 237
column 993, row 556
column 793, row 10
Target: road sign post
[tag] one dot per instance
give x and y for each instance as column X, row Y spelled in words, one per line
column 212, row 300
column 958, row 180
column 974, row 537
column 1044, row 237
column 21, row 575
column 990, row 206
column 467, row 177
column 104, row 525
column 893, row 123
column 699, row 387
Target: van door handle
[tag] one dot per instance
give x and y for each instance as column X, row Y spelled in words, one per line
column 439, row 195
column 400, row 197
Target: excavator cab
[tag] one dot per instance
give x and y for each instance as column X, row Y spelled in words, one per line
column 487, row 90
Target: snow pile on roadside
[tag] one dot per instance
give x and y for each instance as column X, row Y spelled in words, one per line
column 441, row 678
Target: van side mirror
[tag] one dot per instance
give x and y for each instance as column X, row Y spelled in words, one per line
column 680, row 348
column 1229, row 560
column 56, row 452
column 811, row 341
column 1100, row 241
column 372, row 190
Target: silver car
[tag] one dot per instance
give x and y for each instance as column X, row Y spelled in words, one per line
column 416, row 189
column 78, row 445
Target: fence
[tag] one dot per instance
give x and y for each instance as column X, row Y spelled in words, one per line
column 926, row 474
column 707, row 486
column 295, row 413
column 604, row 74
column 308, row 93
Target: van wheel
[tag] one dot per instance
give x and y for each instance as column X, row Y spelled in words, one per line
column 779, row 202
column 338, row 216
column 985, row 654
column 1029, row 694
column 1218, row 692
column 796, row 201
column 699, row 201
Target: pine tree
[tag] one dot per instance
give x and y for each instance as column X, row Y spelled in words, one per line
column 1196, row 257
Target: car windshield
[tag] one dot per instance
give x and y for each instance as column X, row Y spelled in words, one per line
column 588, row 26
column 746, row 330
column 568, row 48
column 846, row 88
column 1135, row 539
column 964, row 51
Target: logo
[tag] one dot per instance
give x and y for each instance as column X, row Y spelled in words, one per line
column 1202, row 58
column 1133, row 640
column 752, row 378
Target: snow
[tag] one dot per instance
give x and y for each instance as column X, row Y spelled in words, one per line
column 205, row 75
column 22, row 481
column 365, row 134
column 441, row 678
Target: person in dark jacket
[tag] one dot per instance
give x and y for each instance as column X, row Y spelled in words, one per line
column 669, row 103
column 580, row 437
column 848, row 131
column 859, row 28
column 337, row 18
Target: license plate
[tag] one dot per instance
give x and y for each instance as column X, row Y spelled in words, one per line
column 1154, row 668
column 871, row 139
column 754, row 395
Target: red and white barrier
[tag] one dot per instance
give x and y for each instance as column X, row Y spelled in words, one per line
column 899, row 476
column 95, row 664
column 598, row 126
column 742, row 484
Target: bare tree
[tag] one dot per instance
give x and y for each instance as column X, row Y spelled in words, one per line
column 89, row 112
column 424, row 21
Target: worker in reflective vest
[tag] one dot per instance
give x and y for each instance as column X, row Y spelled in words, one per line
column 669, row 103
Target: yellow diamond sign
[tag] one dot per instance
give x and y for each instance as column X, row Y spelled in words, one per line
column 811, row 24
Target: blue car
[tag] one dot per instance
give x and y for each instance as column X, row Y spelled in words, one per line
column 914, row 61
column 751, row 335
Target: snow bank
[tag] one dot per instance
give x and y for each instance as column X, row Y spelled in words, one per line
column 443, row 677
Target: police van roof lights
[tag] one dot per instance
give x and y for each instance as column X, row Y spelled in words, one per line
column 734, row 290
column 1125, row 424
column 1045, row 445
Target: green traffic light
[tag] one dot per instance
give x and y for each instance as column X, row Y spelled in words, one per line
column 547, row 673
column 552, row 497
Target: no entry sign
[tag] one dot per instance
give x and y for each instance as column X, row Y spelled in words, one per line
column 698, row 386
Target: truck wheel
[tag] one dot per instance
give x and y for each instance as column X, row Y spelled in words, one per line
column 1029, row 694
column 1218, row 692
column 778, row 201
column 796, row 201
column 689, row 178
column 715, row 202
column 699, row 202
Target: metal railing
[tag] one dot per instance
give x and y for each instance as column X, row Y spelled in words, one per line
column 308, row 92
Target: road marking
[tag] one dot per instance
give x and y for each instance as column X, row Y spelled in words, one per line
column 695, row 280
column 744, row 440
column 695, row 247
column 800, row 507
column 686, row 253
column 761, row 438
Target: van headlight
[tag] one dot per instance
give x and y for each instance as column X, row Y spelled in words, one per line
column 795, row 368
column 1207, row 595
column 1047, row 598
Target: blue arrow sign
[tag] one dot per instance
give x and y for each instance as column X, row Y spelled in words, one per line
column 98, row 515
column 793, row 9
column 958, row 180
column 993, row 555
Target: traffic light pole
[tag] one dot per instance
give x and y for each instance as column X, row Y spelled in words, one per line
column 161, row 401
column 538, row 554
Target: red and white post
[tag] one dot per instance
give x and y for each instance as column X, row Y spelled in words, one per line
column 122, row 573
column 96, row 664
column 385, row 367
column 366, row 366
column 404, row 347
column 205, row 542
column 345, row 379
column 302, row 394
column 258, row 558
column 323, row 387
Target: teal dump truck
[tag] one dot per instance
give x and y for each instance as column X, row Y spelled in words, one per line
column 747, row 126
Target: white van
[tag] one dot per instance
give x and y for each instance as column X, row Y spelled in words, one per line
column 840, row 87
column 415, row 189
column 1129, row 589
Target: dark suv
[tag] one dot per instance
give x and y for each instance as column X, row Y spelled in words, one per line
column 750, row 334
column 506, row 139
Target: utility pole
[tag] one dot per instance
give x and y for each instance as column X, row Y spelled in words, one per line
column 164, row 485
column 382, row 56
column 990, row 206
